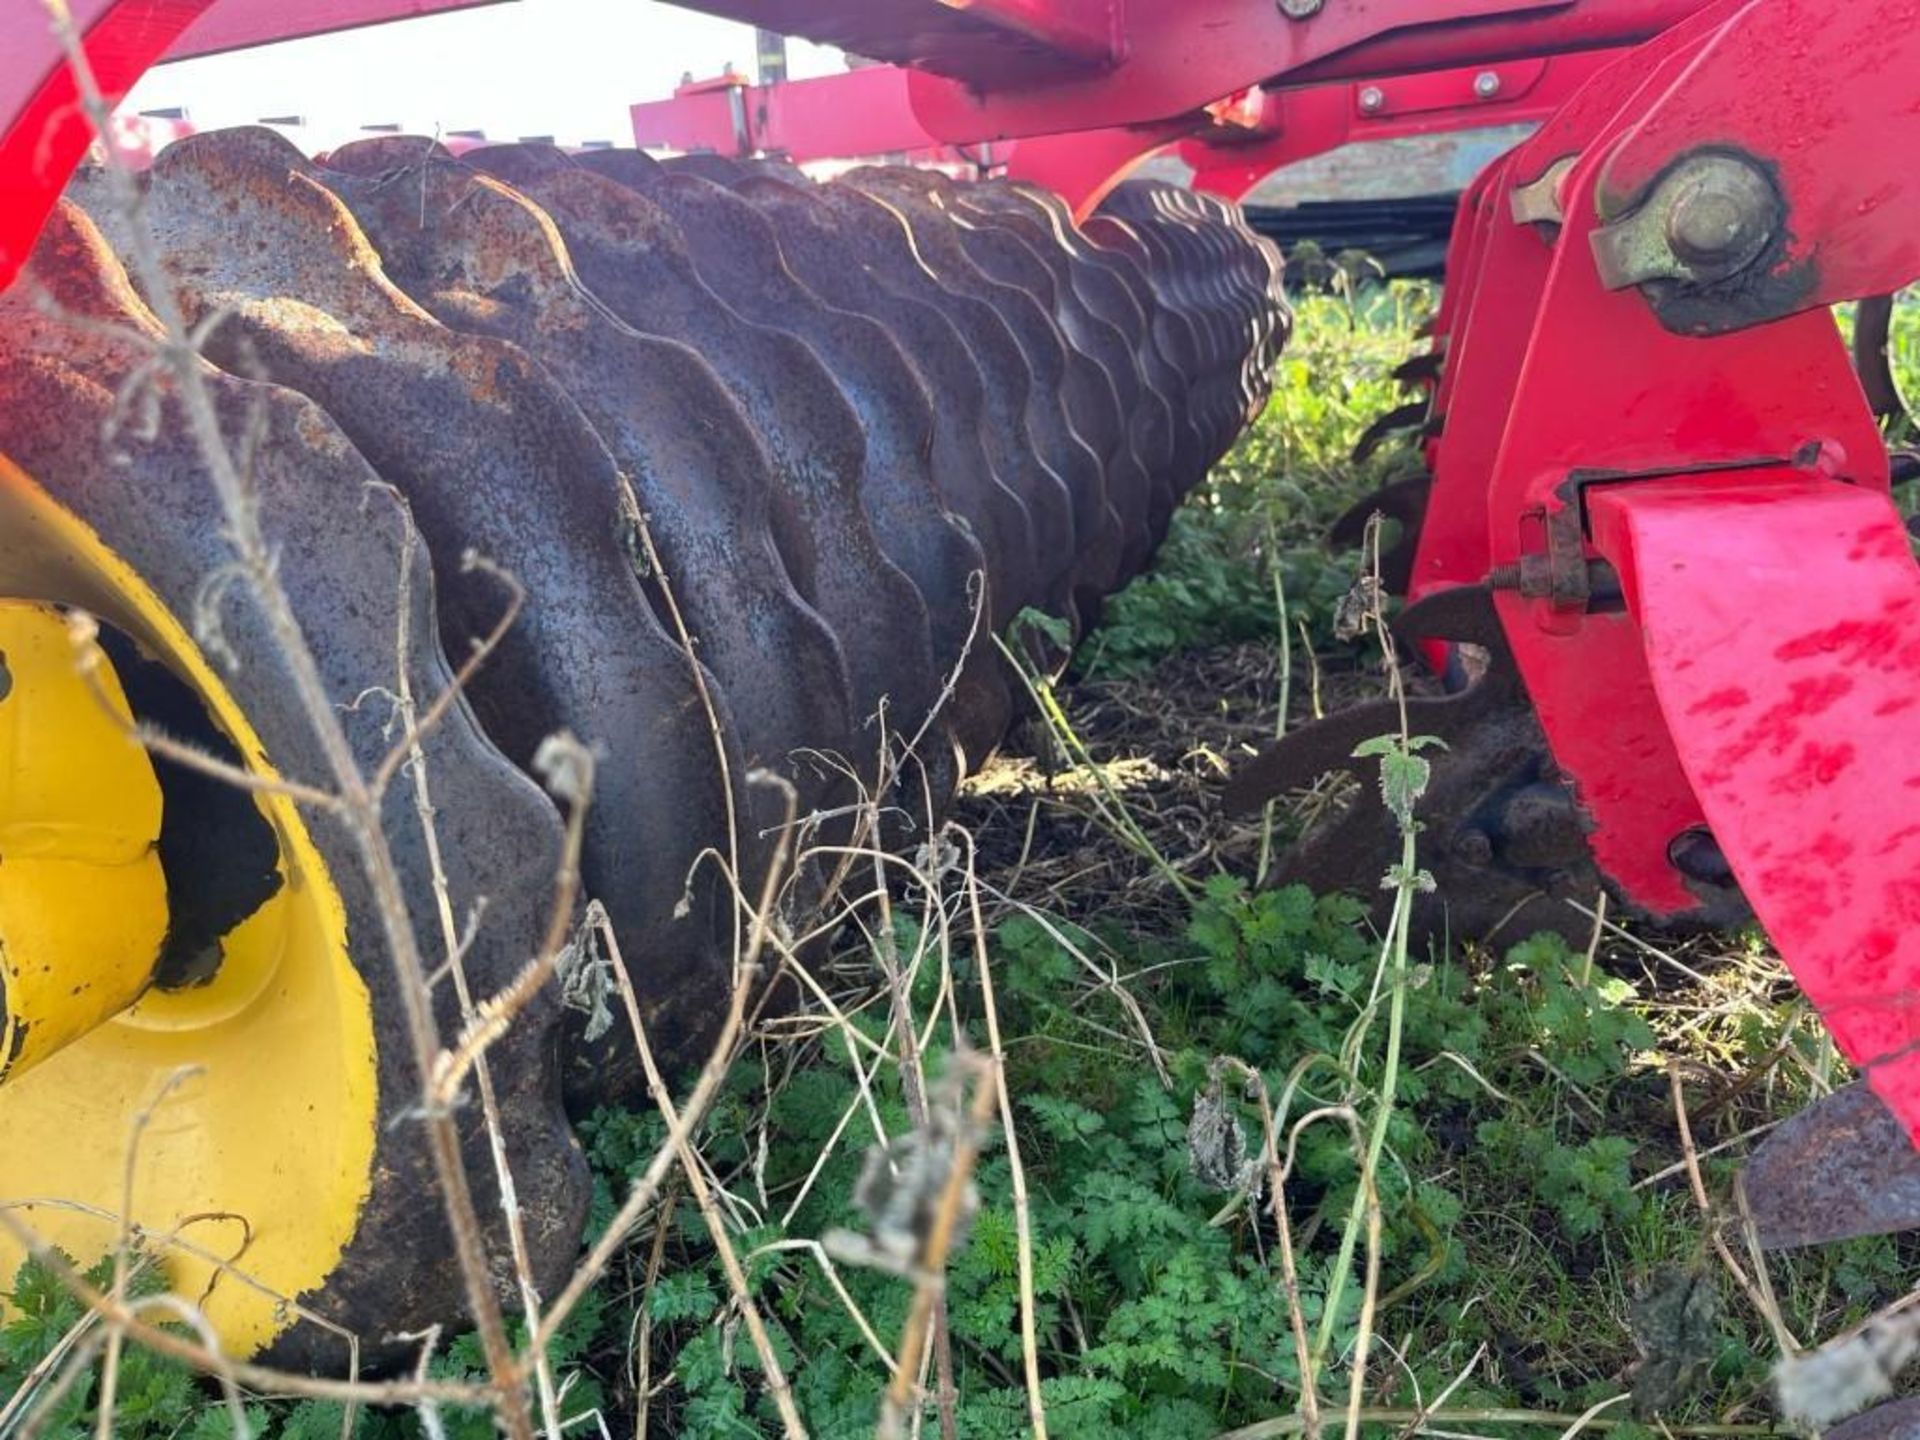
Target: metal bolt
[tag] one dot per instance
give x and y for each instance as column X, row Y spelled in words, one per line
column 1300, row 9
column 1486, row 84
column 1710, row 217
column 1538, row 202
column 1720, row 214
column 1371, row 99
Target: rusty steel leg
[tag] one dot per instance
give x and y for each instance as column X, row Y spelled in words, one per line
column 1505, row 842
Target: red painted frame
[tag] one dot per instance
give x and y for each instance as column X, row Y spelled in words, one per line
column 1231, row 146
column 43, row 133
column 1177, row 57
column 1294, row 125
column 1761, row 675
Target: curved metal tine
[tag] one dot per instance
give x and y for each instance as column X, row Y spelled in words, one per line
column 1840, row 1169
column 1464, row 614
column 1403, row 500
column 1872, row 328
column 1402, row 418
column 1304, row 755
column 1417, row 369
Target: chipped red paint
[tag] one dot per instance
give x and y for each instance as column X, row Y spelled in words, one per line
column 1798, row 778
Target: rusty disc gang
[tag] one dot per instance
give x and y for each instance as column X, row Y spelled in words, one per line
column 838, row 435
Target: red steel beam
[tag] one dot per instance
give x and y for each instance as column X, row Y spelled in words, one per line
column 1015, row 42
column 1295, row 125
column 239, row 24
column 863, row 112
column 1176, row 57
column 1184, row 54
column 869, row 112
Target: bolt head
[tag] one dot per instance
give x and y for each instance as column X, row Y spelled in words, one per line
column 1722, row 214
column 1486, row 84
column 1705, row 226
column 1372, row 97
column 1300, row 9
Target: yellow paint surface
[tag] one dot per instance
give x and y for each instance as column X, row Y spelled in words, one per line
column 261, row 1085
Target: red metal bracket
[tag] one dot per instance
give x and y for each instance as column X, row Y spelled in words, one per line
column 1294, row 125
column 1605, row 388
column 1835, row 97
column 1504, row 273
column 43, row 131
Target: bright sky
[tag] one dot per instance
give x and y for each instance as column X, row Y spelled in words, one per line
column 567, row 68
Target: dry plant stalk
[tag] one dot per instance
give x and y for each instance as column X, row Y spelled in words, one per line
column 1759, row 1295
column 930, row 1264
column 1022, row 1212
column 696, row 1176
column 913, row 1086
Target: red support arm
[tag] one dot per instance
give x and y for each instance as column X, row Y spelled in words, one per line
column 1296, row 124
column 1763, row 673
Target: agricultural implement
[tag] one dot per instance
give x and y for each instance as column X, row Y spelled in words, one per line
column 837, row 434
